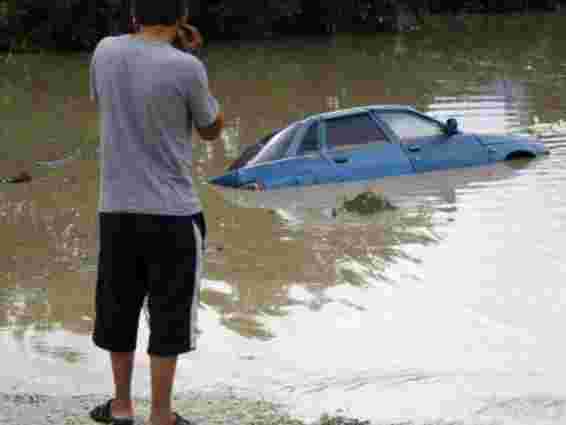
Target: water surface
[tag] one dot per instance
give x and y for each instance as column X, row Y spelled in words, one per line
column 446, row 306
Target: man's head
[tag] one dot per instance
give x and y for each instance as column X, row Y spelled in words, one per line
column 159, row 12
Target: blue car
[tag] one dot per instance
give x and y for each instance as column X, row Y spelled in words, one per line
column 367, row 143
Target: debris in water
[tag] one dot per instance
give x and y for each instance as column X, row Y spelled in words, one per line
column 367, row 203
column 22, row 177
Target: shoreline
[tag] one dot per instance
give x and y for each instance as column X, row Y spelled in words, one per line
column 205, row 407
column 210, row 408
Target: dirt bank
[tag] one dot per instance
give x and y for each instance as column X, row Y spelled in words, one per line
column 203, row 408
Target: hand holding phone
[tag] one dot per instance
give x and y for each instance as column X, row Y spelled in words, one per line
column 188, row 38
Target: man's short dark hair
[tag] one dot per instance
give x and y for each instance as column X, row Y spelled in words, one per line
column 159, row 12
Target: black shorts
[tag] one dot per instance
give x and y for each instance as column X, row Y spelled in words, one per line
column 153, row 256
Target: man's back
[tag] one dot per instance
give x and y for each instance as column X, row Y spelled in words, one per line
column 149, row 96
column 152, row 231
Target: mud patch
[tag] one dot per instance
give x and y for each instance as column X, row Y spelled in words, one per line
column 203, row 408
column 209, row 407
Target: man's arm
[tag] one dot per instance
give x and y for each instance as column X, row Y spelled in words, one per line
column 93, row 92
column 202, row 104
column 214, row 130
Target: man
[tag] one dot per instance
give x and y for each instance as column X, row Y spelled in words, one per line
column 149, row 95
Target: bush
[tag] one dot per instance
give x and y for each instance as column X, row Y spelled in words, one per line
column 79, row 24
column 61, row 24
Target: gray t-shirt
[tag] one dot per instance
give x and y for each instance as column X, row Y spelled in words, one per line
column 149, row 95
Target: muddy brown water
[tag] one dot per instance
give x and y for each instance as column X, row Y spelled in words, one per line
column 448, row 306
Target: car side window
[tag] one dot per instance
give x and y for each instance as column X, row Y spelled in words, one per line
column 353, row 131
column 310, row 141
column 408, row 126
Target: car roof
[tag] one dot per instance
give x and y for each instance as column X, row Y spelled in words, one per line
column 349, row 111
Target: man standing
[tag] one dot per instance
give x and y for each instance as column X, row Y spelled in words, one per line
column 149, row 96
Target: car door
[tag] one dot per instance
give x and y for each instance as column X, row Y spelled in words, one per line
column 427, row 144
column 358, row 149
column 309, row 165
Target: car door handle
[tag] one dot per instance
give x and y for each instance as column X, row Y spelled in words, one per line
column 340, row 160
column 414, row 148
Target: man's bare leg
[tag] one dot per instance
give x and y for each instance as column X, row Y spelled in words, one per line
column 162, row 376
column 122, row 368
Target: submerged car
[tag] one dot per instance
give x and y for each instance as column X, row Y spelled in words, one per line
column 367, row 143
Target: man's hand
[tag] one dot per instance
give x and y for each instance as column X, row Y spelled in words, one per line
column 213, row 131
column 188, row 38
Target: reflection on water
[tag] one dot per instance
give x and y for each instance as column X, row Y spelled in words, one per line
column 312, row 250
column 24, row 309
column 28, row 316
column 47, row 225
column 443, row 286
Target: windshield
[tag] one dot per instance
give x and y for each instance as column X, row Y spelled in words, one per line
column 270, row 148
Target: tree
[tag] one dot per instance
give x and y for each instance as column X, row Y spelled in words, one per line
column 79, row 24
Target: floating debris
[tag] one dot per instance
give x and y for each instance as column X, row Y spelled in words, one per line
column 341, row 420
column 547, row 129
column 367, row 203
column 22, row 177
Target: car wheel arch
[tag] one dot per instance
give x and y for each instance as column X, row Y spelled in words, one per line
column 520, row 154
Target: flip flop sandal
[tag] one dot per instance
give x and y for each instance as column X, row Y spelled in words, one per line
column 179, row 420
column 103, row 413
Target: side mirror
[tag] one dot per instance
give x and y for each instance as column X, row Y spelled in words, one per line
column 451, row 127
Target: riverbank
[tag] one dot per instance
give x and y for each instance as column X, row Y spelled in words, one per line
column 203, row 408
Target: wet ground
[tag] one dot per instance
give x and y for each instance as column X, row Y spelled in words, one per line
column 443, row 308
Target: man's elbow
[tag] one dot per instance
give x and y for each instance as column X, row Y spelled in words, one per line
column 213, row 131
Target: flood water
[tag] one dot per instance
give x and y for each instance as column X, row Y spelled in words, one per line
column 447, row 307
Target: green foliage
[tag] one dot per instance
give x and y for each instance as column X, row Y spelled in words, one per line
column 79, row 24
column 64, row 24
column 235, row 18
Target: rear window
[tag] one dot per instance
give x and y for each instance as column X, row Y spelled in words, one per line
column 269, row 148
column 310, row 141
column 276, row 147
column 251, row 152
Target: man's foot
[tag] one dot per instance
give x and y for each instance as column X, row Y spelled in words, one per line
column 176, row 419
column 113, row 411
column 179, row 420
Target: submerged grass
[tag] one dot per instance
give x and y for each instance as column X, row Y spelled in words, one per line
column 228, row 407
column 213, row 411
column 233, row 410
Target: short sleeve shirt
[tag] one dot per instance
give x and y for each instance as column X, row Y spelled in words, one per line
column 149, row 97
